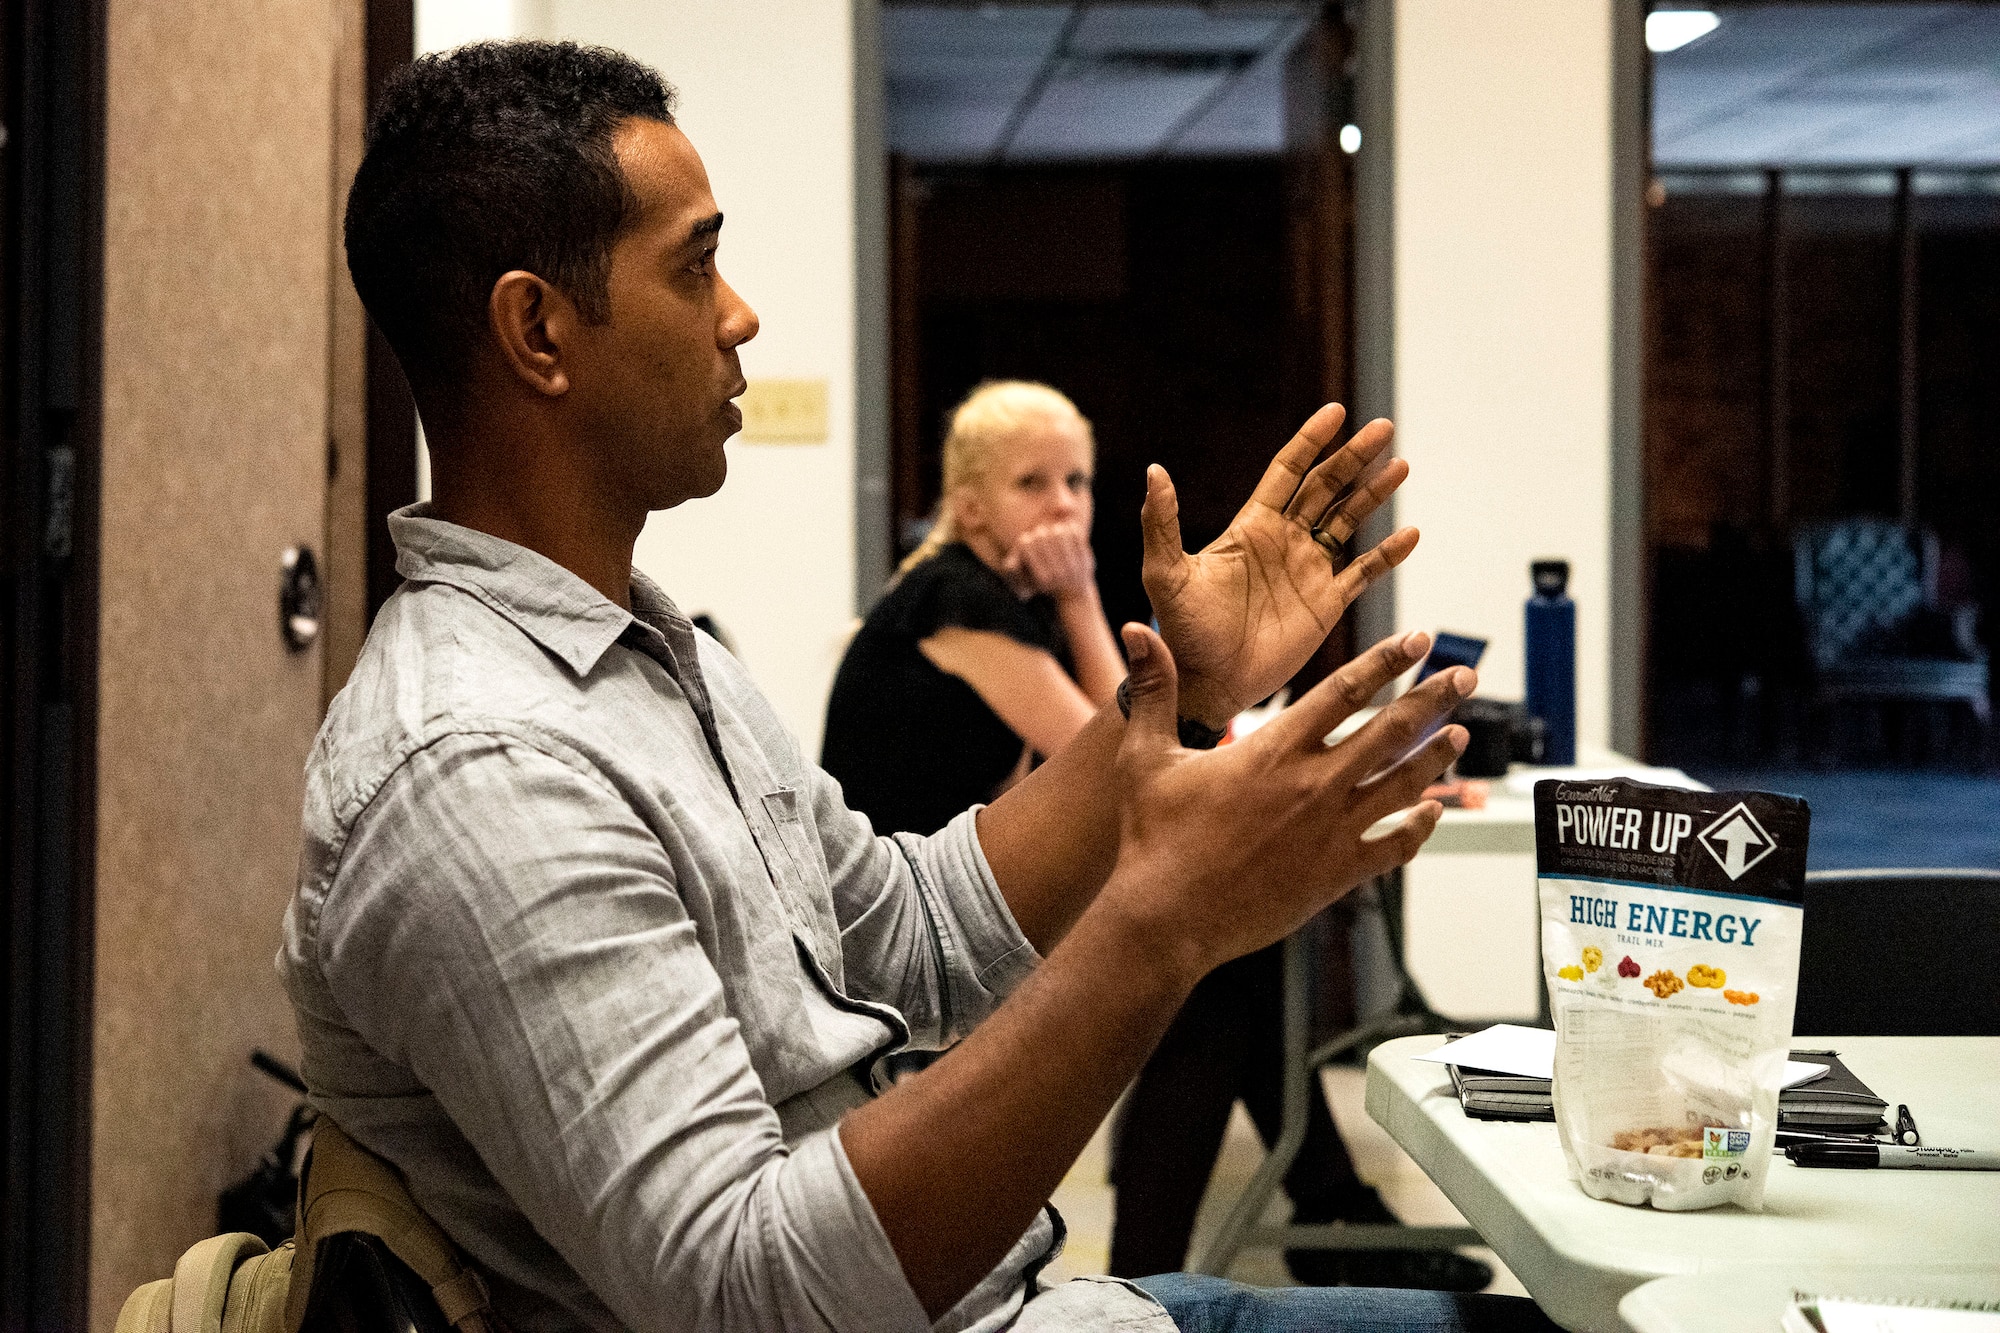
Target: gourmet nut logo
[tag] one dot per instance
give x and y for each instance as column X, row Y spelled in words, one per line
column 1736, row 840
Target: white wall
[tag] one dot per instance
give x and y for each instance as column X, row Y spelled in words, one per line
column 1503, row 180
column 766, row 94
column 443, row 24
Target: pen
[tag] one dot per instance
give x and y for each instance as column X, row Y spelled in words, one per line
column 1906, row 1127
column 1893, row 1156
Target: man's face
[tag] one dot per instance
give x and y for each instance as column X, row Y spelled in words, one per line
column 653, row 384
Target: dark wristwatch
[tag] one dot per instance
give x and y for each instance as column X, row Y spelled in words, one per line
column 1194, row 733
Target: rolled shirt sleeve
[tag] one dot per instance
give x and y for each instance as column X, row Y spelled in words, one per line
column 924, row 925
column 507, row 928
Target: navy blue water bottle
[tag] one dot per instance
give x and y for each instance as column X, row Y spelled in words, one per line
column 1552, row 658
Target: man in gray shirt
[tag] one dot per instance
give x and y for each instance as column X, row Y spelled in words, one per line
column 587, row 950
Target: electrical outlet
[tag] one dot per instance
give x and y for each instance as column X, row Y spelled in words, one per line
column 784, row 412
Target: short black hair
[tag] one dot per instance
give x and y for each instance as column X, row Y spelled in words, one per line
column 484, row 159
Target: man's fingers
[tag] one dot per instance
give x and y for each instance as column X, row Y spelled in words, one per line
column 1383, row 852
column 1281, row 479
column 1345, row 517
column 1152, row 688
column 1347, row 464
column 1400, row 786
column 1329, row 703
column 1391, row 551
column 1391, row 732
column 1160, row 522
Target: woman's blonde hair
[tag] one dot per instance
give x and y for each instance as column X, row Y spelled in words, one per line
column 991, row 414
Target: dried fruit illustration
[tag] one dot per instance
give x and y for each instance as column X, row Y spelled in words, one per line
column 1701, row 974
column 1662, row 983
column 1740, row 996
column 1628, row 968
column 1570, row 973
column 1593, row 958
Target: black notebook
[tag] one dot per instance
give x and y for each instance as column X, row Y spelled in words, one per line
column 1502, row 1096
column 1835, row 1101
column 1839, row 1101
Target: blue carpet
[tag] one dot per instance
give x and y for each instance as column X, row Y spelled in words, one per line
column 1865, row 818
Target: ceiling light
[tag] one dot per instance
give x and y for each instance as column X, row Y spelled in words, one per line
column 1350, row 139
column 1671, row 29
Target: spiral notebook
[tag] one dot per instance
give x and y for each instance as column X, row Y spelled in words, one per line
column 1832, row 1314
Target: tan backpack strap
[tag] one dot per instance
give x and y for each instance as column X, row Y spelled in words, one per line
column 348, row 1188
column 201, row 1280
column 150, row 1309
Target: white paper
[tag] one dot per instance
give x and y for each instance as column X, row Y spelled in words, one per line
column 1504, row 1048
column 1843, row 1316
column 1507, row 1048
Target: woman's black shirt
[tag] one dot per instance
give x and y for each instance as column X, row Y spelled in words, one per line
column 913, row 746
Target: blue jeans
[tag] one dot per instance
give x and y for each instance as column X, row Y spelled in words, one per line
column 1216, row 1305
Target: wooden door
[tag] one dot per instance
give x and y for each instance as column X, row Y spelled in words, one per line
column 219, row 376
column 1319, row 249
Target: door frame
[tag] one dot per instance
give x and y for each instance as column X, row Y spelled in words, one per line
column 52, row 59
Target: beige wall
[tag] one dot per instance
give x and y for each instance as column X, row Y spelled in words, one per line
column 1503, row 253
column 218, row 203
column 766, row 95
column 1513, row 383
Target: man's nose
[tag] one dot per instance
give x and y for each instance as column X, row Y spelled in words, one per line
column 738, row 323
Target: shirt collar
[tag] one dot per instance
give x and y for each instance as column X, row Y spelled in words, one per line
column 539, row 597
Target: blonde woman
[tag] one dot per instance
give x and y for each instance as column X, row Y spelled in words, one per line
column 991, row 645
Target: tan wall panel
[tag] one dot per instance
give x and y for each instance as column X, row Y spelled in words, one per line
column 216, row 324
column 345, row 566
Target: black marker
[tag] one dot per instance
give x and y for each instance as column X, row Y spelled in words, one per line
column 1893, row 1156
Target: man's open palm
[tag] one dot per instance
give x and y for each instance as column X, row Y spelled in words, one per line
column 1247, row 611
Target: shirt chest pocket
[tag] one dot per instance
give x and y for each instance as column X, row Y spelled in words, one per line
column 798, row 870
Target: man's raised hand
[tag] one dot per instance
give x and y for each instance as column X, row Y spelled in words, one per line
column 1225, row 851
column 1245, row 613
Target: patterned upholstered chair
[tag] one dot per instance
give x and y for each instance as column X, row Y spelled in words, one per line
column 1867, row 591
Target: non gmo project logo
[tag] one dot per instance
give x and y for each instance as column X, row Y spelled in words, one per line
column 1736, row 840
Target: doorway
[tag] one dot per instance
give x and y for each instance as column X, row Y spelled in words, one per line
column 1149, row 208
column 1822, row 278
column 1823, row 305
column 51, row 87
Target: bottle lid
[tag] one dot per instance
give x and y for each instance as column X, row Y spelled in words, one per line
column 1551, row 577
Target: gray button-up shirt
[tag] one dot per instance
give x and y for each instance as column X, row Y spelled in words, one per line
column 588, row 950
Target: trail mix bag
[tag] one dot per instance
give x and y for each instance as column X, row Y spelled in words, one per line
column 1670, row 945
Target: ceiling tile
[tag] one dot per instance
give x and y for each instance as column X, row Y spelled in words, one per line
column 1833, row 84
column 1091, row 115
column 919, row 36
column 955, row 74
column 951, row 128
column 1249, row 120
column 1179, row 28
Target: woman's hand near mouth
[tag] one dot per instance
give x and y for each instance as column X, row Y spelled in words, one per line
column 1055, row 559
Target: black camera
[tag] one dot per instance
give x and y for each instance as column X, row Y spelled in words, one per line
column 1499, row 733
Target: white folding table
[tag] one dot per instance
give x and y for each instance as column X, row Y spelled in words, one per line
column 1579, row 1257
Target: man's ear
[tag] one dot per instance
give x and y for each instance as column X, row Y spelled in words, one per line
column 534, row 322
